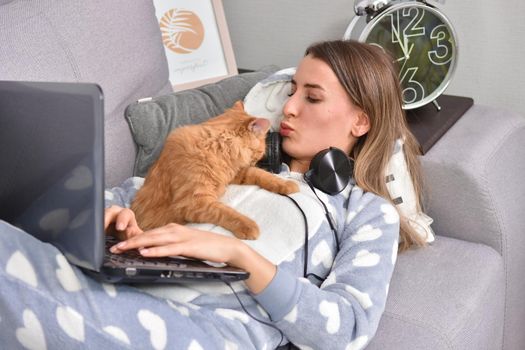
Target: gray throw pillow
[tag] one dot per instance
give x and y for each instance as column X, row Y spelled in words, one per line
column 151, row 120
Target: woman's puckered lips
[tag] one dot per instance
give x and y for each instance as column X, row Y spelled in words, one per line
column 285, row 129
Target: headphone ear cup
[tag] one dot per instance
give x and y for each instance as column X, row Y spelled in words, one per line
column 330, row 171
column 273, row 156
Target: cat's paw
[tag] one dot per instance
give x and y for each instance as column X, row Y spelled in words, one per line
column 245, row 229
column 288, row 187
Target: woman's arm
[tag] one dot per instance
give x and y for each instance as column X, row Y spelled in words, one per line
column 344, row 312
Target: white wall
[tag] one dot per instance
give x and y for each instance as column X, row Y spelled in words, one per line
column 491, row 66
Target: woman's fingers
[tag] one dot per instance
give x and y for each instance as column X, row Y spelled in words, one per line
column 174, row 239
column 120, row 222
column 110, row 214
column 163, row 250
column 157, row 237
column 125, row 218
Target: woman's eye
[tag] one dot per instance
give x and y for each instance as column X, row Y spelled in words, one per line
column 291, row 93
column 312, row 99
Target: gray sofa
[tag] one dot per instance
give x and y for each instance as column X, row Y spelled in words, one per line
column 465, row 291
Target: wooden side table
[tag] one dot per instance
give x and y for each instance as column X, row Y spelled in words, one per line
column 428, row 124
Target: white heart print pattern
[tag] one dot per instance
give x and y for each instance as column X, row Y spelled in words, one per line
column 228, row 345
column 364, row 258
column 110, row 289
column 19, row 267
column 233, row 315
column 331, row 312
column 367, row 233
column 358, row 343
column 292, row 315
column 182, row 309
column 117, row 333
column 156, row 327
column 390, row 214
column 362, row 298
column 331, row 279
column 322, row 254
column 71, row 322
column 66, row 276
column 31, row 336
column 194, row 345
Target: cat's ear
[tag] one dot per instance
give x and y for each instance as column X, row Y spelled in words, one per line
column 259, row 126
column 239, row 106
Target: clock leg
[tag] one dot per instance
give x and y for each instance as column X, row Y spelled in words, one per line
column 436, row 104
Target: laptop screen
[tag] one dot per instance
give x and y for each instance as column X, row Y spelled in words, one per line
column 51, row 141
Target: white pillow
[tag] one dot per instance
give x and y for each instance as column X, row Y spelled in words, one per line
column 267, row 98
column 401, row 189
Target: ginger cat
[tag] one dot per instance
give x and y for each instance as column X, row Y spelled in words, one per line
column 195, row 166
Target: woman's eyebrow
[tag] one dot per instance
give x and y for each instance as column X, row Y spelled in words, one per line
column 308, row 85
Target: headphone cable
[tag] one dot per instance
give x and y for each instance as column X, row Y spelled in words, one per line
column 253, row 317
column 326, row 213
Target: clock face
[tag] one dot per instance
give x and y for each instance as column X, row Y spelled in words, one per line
column 422, row 42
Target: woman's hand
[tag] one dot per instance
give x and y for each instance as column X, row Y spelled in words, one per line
column 175, row 239
column 120, row 222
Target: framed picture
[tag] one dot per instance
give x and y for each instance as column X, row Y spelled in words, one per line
column 196, row 41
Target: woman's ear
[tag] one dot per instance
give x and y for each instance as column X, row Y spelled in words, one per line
column 361, row 125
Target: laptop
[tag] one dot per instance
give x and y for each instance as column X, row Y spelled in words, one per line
column 52, row 183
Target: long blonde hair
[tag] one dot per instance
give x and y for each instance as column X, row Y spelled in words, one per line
column 370, row 78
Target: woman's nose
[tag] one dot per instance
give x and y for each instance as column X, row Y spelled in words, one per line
column 290, row 107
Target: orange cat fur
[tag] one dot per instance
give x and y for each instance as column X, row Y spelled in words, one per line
column 194, row 168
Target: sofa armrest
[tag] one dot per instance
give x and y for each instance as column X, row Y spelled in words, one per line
column 473, row 174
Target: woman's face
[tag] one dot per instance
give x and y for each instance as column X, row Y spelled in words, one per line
column 318, row 114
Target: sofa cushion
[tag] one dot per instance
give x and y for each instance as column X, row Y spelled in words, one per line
column 449, row 295
column 116, row 44
column 151, row 120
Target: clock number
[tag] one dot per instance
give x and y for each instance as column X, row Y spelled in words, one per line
column 443, row 46
column 413, row 90
column 394, row 23
column 413, row 28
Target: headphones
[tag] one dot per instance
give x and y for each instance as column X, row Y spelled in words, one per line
column 330, row 169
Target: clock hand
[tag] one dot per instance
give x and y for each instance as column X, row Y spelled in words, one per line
column 401, row 43
column 410, row 50
column 406, row 58
column 405, row 46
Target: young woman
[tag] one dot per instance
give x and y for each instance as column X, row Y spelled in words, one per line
column 344, row 94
